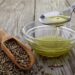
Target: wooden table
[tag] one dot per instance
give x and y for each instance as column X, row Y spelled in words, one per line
column 14, row 14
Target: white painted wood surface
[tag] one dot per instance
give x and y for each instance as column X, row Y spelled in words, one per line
column 14, row 14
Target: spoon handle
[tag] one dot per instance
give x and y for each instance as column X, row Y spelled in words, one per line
column 73, row 7
column 69, row 10
column 3, row 34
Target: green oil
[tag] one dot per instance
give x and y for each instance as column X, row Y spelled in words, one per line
column 53, row 42
column 57, row 19
column 51, row 46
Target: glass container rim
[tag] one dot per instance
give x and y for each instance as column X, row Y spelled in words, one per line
column 35, row 27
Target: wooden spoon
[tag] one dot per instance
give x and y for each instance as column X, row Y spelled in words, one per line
column 4, row 37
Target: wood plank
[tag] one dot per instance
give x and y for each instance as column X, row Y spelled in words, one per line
column 71, row 24
column 8, row 16
column 26, row 15
column 8, row 22
column 71, row 1
column 14, row 14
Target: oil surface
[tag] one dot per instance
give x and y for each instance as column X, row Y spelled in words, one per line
column 51, row 45
column 56, row 19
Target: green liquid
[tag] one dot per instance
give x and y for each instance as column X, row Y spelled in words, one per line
column 57, row 19
column 51, row 46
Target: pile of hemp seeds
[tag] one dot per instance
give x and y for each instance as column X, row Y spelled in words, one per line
column 8, row 68
column 19, row 52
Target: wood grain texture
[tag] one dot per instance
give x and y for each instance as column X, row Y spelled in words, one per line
column 8, row 16
column 71, row 1
column 14, row 14
column 8, row 21
column 26, row 15
column 72, row 23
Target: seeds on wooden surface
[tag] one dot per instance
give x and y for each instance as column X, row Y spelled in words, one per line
column 8, row 68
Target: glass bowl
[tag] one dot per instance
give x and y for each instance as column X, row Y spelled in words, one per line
column 48, row 40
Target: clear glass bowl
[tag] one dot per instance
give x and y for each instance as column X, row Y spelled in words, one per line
column 48, row 40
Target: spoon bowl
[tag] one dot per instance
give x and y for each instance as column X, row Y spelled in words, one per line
column 57, row 17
